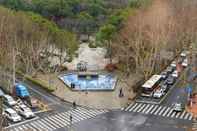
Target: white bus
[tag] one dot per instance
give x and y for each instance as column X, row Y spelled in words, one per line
column 150, row 85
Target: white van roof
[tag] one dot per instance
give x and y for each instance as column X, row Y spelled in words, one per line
column 1, row 92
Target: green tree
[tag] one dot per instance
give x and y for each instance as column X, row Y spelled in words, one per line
column 105, row 36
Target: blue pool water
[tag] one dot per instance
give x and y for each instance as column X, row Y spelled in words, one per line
column 99, row 82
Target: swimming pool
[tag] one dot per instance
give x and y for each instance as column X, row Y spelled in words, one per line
column 89, row 82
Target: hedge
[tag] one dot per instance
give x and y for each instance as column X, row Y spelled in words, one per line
column 38, row 82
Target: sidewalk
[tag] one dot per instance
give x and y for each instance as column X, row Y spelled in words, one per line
column 93, row 99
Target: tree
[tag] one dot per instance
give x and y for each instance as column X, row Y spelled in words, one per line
column 105, row 35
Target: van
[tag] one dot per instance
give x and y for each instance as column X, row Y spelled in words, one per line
column 1, row 93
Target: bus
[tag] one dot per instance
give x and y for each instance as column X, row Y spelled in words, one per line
column 150, row 85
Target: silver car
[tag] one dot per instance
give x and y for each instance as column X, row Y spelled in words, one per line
column 25, row 111
column 9, row 100
column 178, row 107
column 12, row 115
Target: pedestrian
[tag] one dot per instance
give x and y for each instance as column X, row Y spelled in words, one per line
column 74, row 104
column 121, row 93
column 71, row 118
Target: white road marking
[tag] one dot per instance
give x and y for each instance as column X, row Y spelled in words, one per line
column 158, row 110
column 154, row 109
column 169, row 113
column 166, row 111
column 146, row 108
column 162, row 110
column 149, row 109
column 141, row 107
column 131, row 109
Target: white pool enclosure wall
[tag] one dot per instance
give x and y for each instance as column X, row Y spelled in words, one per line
column 87, row 81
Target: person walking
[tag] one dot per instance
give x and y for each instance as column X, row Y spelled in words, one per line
column 121, row 93
column 71, row 119
column 74, row 105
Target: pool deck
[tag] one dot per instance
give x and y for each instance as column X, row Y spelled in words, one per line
column 93, row 99
column 111, row 86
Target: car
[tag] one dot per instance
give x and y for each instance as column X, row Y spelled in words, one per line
column 164, row 75
column 25, row 111
column 158, row 93
column 164, row 87
column 184, row 53
column 175, row 74
column 185, row 63
column 169, row 69
column 12, row 115
column 178, row 107
column 2, row 93
column 173, row 64
column 180, row 60
column 170, row 80
column 9, row 100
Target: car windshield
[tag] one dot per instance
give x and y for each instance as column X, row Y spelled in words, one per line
column 14, row 115
column 10, row 99
column 25, row 109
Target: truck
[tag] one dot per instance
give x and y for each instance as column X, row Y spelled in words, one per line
column 21, row 91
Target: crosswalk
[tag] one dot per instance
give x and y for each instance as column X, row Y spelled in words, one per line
column 194, row 125
column 58, row 120
column 157, row 110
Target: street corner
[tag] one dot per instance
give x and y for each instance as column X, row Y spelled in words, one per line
column 192, row 106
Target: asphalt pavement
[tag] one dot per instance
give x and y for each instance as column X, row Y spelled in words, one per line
column 177, row 95
column 54, row 103
column 128, row 121
column 140, row 117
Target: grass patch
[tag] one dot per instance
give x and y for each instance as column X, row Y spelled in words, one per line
column 38, row 82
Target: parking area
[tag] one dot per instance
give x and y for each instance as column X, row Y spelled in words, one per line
column 157, row 88
column 20, row 106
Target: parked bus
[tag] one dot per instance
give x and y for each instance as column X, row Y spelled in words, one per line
column 150, row 85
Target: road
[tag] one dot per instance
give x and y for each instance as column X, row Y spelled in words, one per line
column 129, row 121
column 136, row 117
column 177, row 95
column 143, row 117
column 54, row 103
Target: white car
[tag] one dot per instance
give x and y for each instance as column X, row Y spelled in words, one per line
column 9, row 100
column 12, row 115
column 178, row 107
column 158, row 94
column 25, row 111
column 175, row 74
column 173, row 64
column 184, row 53
column 185, row 63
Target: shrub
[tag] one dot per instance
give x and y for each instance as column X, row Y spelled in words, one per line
column 92, row 45
column 42, row 84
